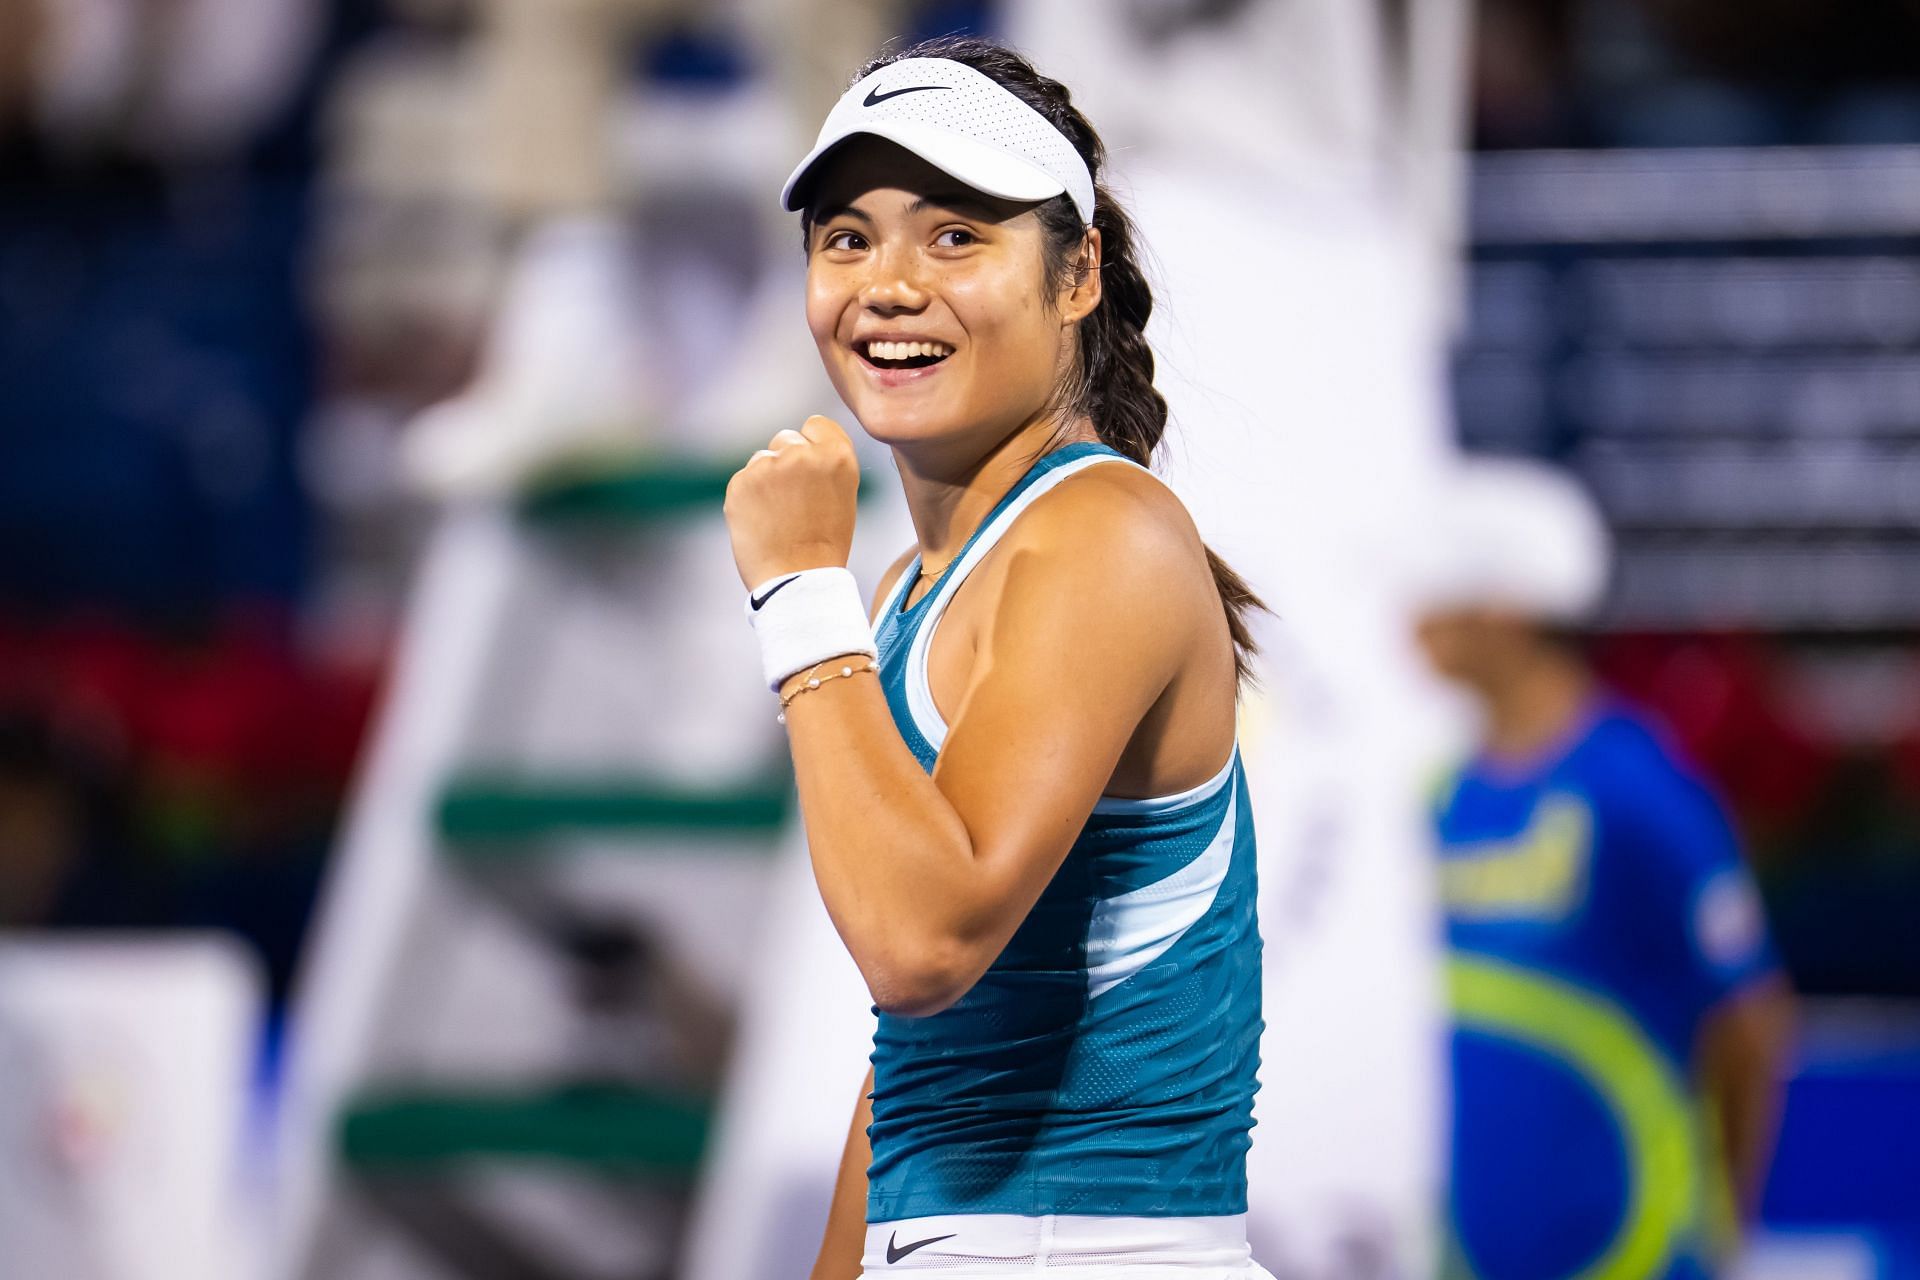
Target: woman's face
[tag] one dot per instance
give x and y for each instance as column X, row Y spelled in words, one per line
column 930, row 301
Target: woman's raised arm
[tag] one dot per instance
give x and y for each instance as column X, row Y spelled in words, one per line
column 927, row 877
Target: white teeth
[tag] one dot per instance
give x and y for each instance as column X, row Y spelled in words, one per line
column 906, row 350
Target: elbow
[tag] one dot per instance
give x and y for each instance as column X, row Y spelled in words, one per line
column 912, row 996
column 920, row 979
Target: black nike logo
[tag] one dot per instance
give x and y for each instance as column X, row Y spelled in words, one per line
column 757, row 601
column 874, row 98
column 894, row 1254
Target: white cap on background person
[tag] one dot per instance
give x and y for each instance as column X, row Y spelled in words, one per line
column 1515, row 534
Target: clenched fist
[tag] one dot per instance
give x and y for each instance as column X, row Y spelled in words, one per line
column 792, row 506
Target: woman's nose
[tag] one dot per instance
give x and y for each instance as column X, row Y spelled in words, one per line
column 895, row 285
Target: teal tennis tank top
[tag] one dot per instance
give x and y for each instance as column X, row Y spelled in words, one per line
column 1104, row 1064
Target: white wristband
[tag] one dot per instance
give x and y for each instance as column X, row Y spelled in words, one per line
column 805, row 618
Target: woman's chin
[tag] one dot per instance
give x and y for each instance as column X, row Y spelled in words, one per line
column 890, row 426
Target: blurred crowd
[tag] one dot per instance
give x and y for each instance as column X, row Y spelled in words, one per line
column 176, row 744
column 1665, row 73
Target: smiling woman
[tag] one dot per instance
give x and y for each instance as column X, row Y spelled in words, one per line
column 1031, row 828
column 931, row 305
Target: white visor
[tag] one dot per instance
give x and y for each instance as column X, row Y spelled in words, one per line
column 960, row 122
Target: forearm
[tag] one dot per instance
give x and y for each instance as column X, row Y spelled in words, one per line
column 1749, row 1107
column 895, row 864
column 846, row 1235
column 1746, row 1055
column 1746, row 1135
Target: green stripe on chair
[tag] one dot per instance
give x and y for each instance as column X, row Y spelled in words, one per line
column 481, row 812
column 614, row 1132
column 635, row 492
column 631, row 493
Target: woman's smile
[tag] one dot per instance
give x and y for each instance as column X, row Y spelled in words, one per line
column 895, row 359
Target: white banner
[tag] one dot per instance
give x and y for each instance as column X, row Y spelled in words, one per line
column 128, row 1066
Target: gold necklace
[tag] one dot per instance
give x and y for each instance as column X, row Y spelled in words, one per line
column 925, row 573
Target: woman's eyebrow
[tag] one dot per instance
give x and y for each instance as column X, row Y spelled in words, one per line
column 828, row 213
column 965, row 203
column 962, row 202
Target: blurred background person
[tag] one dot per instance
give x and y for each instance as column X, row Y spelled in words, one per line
column 1620, row 1019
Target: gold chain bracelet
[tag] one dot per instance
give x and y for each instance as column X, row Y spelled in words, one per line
column 814, row 680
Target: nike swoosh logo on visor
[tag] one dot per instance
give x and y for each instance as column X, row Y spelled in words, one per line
column 895, row 1253
column 874, row 97
column 757, row 601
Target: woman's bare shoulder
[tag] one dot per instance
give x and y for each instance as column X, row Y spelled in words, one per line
column 1122, row 519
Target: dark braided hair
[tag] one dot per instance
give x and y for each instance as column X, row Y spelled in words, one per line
column 1112, row 379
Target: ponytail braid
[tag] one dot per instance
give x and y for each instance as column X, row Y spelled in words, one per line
column 1112, row 380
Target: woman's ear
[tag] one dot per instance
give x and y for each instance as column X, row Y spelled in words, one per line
column 1083, row 294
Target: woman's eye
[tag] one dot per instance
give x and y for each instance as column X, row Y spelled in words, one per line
column 843, row 240
column 955, row 238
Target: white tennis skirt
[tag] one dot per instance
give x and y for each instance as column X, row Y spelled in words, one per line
column 994, row 1246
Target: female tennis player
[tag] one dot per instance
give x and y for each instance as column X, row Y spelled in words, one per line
column 1020, row 784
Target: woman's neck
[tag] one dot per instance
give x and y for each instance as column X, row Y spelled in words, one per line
column 947, row 499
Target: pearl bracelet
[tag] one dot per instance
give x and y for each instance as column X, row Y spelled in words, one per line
column 815, row 680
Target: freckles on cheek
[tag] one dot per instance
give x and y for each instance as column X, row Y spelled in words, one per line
column 827, row 303
column 980, row 308
column 825, row 310
column 822, row 317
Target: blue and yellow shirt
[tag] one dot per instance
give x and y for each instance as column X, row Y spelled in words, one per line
column 1597, row 910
